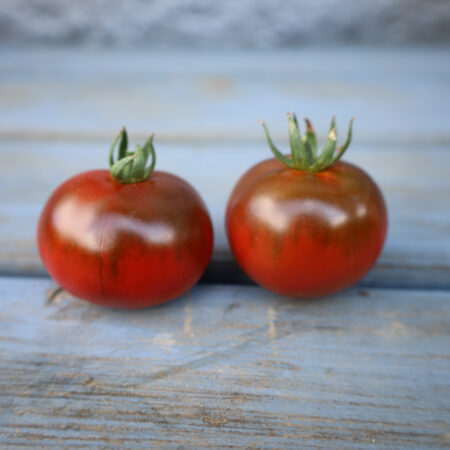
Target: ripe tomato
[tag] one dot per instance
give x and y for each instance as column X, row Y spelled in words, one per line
column 306, row 225
column 123, row 240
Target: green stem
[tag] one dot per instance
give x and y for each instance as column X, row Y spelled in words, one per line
column 130, row 167
column 285, row 160
column 299, row 152
column 310, row 140
column 304, row 154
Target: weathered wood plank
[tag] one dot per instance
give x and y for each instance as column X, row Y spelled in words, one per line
column 225, row 366
column 396, row 94
column 416, row 187
column 59, row 109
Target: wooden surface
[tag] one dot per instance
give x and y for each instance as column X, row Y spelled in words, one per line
column 396, row 95
column 418, row 245
column 60, row 110
column 228, row 364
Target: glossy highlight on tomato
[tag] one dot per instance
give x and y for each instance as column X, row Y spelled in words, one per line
column 125, row 244
column 305, row 233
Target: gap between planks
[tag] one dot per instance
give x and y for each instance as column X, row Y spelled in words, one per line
column 211, row 137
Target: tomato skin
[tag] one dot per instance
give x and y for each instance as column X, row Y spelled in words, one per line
column 125, row 245
column 304, row 234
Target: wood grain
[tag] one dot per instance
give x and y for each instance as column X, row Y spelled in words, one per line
column 228, row 366
column 225, row 367
column 60, row 109
column 397, row 95
column 416, row 186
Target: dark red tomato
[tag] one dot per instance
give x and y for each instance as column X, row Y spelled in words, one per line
column 125, row 245
column 306, row 234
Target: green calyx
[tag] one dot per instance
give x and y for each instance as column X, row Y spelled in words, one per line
column 131, row 167
column 304, row 155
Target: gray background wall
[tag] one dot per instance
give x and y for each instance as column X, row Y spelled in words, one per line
column 235, row 23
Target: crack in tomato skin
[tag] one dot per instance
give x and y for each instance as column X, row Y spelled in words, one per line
column 125, row 245
column 306, row 234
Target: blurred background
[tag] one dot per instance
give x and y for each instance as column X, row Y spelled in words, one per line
column 233, row 24
column 200, row 74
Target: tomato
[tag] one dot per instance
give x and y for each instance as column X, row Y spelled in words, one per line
column 129, row 242
column 306, row 225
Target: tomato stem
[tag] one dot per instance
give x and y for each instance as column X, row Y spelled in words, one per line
column 304, row 155
column 130, row 167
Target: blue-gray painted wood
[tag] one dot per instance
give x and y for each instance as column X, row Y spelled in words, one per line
column 228, row 365
column 60, row 109
column 415, row 182
column 225, row 366
column 397, row 94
